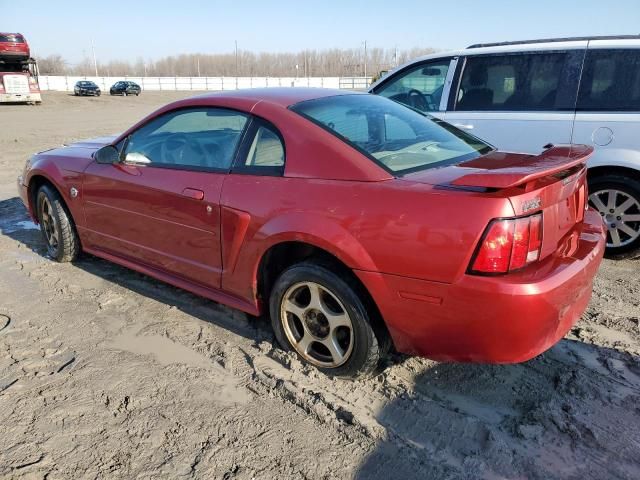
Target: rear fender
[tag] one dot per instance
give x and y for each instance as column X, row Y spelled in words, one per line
column 318, row 231
column 615, row 157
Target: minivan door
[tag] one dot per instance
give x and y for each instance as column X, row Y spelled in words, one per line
column 608, row 117
column 519, row 102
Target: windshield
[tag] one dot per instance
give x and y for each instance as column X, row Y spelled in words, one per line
column 398, row 138
column 87, row 84
column 11, row 37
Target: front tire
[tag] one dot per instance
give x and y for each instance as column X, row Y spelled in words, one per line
column 617, row 198
column 319, row 315
column 56, row 225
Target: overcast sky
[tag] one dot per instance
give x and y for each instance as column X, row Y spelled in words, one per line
column 151, row 29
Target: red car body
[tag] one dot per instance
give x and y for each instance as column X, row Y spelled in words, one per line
column 13, row 46
column 410, row 239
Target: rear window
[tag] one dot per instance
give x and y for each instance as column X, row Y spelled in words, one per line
column 399, row 139
column 11, row 38
column 610, row 81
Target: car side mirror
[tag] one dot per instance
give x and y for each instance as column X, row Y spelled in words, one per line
column 135, row 158
column 107, row 154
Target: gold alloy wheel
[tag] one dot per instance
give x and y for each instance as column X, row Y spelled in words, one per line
column 49, row 223
column 316, row 324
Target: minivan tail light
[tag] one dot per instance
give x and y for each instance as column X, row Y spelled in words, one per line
column 508, row 245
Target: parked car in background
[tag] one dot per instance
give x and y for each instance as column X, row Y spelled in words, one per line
column 125, row 88
column 352, row 220
column 525, row 96
column 13, row 47
column 86, row 87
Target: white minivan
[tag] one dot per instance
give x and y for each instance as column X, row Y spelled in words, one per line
column 526, row 96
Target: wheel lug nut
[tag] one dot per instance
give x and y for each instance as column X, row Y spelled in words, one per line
column 618, row 218
column 611, row 210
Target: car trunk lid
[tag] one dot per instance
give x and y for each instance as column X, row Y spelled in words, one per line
column 553, row 183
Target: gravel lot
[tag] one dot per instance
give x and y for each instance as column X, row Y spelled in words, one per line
column 105, row 373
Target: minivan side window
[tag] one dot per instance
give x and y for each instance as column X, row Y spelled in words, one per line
column 513, row 82
column 420, row 87
column 610, row 81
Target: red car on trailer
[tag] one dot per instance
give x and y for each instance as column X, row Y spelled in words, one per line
column 350, row 219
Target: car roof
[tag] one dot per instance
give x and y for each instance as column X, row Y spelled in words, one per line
column 282, row 96
column 610, row 41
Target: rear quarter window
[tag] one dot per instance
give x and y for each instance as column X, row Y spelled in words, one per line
column 610, row 81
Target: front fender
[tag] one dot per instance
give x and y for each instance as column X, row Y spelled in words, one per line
column 62, row 179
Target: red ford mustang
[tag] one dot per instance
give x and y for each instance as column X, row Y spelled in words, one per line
column 355, row 222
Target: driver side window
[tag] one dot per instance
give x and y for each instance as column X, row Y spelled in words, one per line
column 194, row 138
column 419, row 87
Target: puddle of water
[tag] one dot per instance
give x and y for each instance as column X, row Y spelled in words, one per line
column 167, row 352
column 27, row 225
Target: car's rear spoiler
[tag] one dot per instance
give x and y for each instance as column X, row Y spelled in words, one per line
column 498, row 173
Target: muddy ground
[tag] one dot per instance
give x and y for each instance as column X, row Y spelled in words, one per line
column 105, row 373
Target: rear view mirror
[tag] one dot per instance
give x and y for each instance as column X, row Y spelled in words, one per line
column 431, row 72
column 107, row 154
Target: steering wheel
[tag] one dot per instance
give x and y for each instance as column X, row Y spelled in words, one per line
column 418, row 100
column 176, row 145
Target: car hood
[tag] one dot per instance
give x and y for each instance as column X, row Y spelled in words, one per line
column 75, row 156
column 93, row 143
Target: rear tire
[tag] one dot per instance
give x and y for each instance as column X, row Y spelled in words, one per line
column 331, row 328
column 622, row 195
column 56, row 225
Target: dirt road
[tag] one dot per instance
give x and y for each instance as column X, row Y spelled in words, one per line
column 105, row 373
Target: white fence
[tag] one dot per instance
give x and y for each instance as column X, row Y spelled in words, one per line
column 66, row 84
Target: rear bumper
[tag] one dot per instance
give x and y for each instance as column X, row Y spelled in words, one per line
column 20, row 97
column 500, row 319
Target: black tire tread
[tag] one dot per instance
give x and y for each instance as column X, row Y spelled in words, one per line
column 69, row 245
column 373, row 354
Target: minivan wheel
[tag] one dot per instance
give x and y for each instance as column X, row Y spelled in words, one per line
column 319, row 315
column 617, row 198
column 56, row 225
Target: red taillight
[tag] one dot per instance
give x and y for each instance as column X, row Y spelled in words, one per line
column 508, row 245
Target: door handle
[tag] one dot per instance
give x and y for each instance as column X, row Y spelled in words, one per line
column 464, row 126
column 193, row 193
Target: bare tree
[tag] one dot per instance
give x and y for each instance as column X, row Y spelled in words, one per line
column 335, row 62
column 52, row 65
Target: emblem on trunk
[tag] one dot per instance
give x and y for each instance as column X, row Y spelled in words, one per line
column 532, row 204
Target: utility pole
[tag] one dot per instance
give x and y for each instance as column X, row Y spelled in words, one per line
column 365, row 58
column 95, row 63
column 198, row 60
column 236, row 59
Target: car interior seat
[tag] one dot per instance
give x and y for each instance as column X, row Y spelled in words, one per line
column 477, row 96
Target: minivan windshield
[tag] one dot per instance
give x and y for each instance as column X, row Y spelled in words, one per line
column 398, row 138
